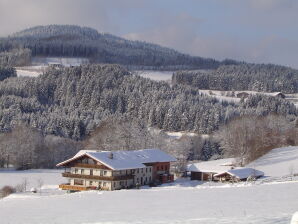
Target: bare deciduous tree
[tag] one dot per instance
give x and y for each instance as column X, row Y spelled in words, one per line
column 250, row 137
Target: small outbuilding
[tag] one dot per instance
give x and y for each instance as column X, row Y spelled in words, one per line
column 222, row 170
column 239, row 174
column 206, row 170
column 279, row 94
column 242, row 95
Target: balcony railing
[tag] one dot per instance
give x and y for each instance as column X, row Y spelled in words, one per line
column 80, row 188
column 95, row 177
column 85, row 165
column 73, row 187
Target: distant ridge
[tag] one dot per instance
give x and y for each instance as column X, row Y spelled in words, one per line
column 76, row 41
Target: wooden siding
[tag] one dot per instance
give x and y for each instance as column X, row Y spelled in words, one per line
column 94, row 177
column 94, row 166
column 201, row 176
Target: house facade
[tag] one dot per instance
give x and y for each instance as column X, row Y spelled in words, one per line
column 116, row 170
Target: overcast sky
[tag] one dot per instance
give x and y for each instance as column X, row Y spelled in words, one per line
column 263, row 31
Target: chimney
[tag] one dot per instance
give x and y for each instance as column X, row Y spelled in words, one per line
column 111, row 156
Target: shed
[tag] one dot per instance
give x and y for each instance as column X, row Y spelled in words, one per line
column 280, row 95
column 239, row 174
column 242, row 95
column 206, row 170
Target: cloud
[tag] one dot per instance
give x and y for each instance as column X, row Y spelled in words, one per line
column 250, row 30
column 18, row 14
column 272, row 4
column 172, row 30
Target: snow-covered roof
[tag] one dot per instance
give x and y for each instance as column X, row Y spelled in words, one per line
column 213, row 166
column 242, row 172
column 125, row 159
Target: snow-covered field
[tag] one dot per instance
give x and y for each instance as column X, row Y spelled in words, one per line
column 184, row 201
column 13, row 178
column 266, row 203
column 65, row 61
column 222, row 95
column 156, row 75
column 39, row 65
column 30, row 71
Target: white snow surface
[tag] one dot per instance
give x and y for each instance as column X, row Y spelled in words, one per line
column 25, row 73
column 123, row 159
column 278, row 162
column 180, row 203
column 65, row 61
column 13, row 178
column 156, row 75
column 179, row 134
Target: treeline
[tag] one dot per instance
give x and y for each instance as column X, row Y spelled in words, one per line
column 71, row 102
column 249, row 137
column 75, row 41
column 255, row 77
column 25, row 147
column 15, row 57
column 7, row 72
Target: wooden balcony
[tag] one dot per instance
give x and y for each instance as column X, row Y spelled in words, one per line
column 95, row 177
column 92, row 166
column 73, row 187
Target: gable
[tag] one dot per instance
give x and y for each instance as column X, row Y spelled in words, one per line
column 84, row 159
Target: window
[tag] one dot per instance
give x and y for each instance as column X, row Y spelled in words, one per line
column 150, row 169
column 76, row 171
column 82, row 171
column 142, row 170
column 78, row 182
column 104, row 184
column 137, row 170
column 101, row 173
column 91, row 172
column 114, row 184
column 146, row 169
column 105, row 173
column 162, row 167
column 166, row 167
column 90, row 182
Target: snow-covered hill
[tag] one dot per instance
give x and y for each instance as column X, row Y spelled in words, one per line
column 278, row 162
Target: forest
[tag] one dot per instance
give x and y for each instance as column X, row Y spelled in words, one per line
column 244, row 76
column 73, row 103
